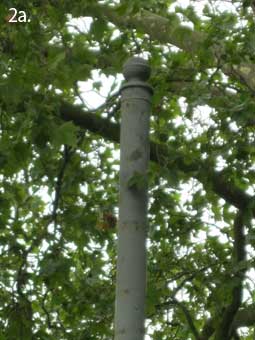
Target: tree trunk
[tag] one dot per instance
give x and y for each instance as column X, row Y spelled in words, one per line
column 132, row 230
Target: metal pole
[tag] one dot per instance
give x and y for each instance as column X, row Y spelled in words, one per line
column 133, row 225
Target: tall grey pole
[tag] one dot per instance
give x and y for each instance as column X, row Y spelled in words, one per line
column 132, row 228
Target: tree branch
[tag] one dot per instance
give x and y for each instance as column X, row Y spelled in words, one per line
column 245, row 317
column 188, row 318
column 171, row 31
column 59, row 182
column 225, row 329
column 232, row 317
column 161, row 154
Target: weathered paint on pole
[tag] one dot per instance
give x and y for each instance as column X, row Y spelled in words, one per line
column 136, row 96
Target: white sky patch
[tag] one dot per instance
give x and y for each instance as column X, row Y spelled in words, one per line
column 79, row 25
column 219, row 6
column 233, row 126
column 221, row 163
column 251, row 191
column 92, row 97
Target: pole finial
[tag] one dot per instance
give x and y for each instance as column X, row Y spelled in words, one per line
column 136, row 68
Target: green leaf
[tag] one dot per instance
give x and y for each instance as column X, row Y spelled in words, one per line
column 65, row 134
column 56, row 61
column 98, row 27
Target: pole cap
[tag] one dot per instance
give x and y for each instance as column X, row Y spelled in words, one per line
column 136, row 68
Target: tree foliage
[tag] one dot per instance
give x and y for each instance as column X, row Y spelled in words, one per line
column 59, row 168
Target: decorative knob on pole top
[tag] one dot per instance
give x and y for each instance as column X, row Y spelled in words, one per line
column 136, row 68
